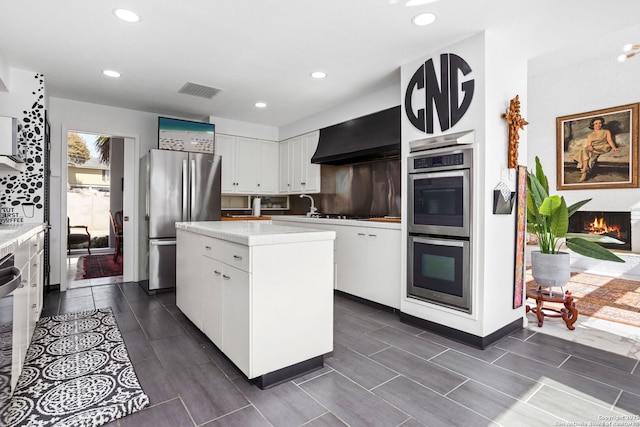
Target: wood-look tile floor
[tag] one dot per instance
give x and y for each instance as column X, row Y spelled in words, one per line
column 381, row 373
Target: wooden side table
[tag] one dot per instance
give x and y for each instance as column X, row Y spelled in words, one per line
column 569, row 313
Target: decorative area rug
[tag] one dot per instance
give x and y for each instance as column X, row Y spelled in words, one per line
column 608, row 298
column 77, row 373
column 93, row 266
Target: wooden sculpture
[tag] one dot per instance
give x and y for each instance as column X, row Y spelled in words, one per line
column 516, row 121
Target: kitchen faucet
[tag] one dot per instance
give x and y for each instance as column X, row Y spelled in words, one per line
column 312, row 210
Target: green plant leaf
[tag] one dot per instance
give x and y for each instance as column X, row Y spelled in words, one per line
column 574, row 207
column 599, row 238
column 550, row 205
column 592, row 250
column 542, row 178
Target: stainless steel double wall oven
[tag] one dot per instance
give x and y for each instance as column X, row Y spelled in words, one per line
column 440, row 190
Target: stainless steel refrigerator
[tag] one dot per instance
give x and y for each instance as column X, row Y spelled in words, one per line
column 180, row 186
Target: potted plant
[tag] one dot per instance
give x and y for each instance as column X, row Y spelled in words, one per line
column 548, row 218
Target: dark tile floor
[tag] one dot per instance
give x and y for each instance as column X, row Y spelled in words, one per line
column 381, row 373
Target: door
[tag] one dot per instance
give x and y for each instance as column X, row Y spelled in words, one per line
column 162, row 263
column 166, row 181
column 204, row 198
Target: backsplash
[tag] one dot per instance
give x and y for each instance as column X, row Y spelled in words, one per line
column 22, row 193
column 366, row 189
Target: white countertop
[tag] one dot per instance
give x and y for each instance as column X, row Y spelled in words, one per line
column 12, row 236
column 255, row 233
column 350, row 222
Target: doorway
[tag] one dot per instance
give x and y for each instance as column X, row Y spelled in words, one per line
column 95, row 193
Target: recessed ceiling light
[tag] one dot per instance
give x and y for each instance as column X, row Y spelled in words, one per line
column 261, row 104
column 424, row 19
column 411, row 3
column 127, row 15
column 318, row 74
column 111, row 73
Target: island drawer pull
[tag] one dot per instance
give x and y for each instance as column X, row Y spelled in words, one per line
column 237, row 257
column 216, row 272
column 361, row 234
column 224, row 276
column 373, row 235
column 208, row 248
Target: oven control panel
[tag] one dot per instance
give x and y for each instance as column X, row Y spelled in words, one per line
column 438, row 161
column 459, row 159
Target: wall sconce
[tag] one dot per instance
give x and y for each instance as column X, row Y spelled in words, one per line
column 629, row 51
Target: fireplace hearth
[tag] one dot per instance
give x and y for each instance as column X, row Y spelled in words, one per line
column 612, row 224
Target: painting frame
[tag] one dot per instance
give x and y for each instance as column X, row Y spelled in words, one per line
column 614, row 169
column 521, row 229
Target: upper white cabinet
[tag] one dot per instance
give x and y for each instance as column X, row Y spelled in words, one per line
column 249, row 166
column 300, row 175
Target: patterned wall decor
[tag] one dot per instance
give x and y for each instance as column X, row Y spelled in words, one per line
column 22, row 193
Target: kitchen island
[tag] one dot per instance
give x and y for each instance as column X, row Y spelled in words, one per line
column 262, row 293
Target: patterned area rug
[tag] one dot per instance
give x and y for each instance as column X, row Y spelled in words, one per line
column 93, row 266
column 608, row 298
column 77, row 373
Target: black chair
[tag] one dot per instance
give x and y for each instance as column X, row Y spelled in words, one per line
column 77, row 238
column 116, row 227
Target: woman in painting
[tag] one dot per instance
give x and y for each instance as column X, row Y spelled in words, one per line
column 598, row 142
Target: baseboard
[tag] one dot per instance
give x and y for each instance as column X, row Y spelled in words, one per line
column 461, row 336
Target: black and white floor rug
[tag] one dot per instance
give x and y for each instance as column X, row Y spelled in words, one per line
column 77, row 373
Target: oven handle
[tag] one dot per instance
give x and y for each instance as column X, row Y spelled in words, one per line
column 440, row 242
column 14, row 277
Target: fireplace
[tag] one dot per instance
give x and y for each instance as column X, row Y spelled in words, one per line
column 612, row 224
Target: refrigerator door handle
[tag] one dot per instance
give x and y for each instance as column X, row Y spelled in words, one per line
column 192, row 186
column 163, row 242
column 185, row 194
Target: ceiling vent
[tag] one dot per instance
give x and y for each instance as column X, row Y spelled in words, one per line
column 202, row 91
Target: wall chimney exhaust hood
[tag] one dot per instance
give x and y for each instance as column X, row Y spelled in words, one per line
column 367, row 138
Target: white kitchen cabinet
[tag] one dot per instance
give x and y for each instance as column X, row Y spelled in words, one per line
column 305, row 176
column 268, row 167
column 285, row 175
column 27, row 298
column 369, row 263
column 190, row 274
column 236, row 317
column 249, row 166
column 367, row 258
column 267, row 305
column 211, row 298
column 299, row 175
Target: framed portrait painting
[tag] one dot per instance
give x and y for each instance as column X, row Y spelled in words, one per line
column 598, row 149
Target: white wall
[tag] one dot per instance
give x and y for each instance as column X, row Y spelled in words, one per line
column 573, row 81
column 66, row 115
column 499, row 76
column 371, row 103
column 247, row 130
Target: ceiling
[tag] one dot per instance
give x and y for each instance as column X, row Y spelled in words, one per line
column 264, row 50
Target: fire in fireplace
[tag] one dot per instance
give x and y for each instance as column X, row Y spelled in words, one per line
column 612, row 224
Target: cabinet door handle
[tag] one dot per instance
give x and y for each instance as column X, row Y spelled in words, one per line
column 373, row 235
column 21, row 285
column 224, row 276
column 303, row 183
column 237, row 257
column 33, row 306
column 216, row 272
column 33, row 285
column 208, row 248
column 361, row 234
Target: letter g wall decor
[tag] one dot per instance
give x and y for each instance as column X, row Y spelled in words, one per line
column 443, row 95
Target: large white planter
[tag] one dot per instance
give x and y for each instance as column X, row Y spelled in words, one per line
column 550, row 269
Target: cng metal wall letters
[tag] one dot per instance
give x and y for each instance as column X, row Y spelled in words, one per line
column 442, row 97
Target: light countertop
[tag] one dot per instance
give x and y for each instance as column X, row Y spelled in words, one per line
column 255, row 233
column 12, row 236
column 308, row 222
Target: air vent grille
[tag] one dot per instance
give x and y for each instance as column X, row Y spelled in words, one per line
column 202, row 91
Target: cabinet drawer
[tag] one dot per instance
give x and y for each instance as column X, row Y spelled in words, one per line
column 229, row 253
